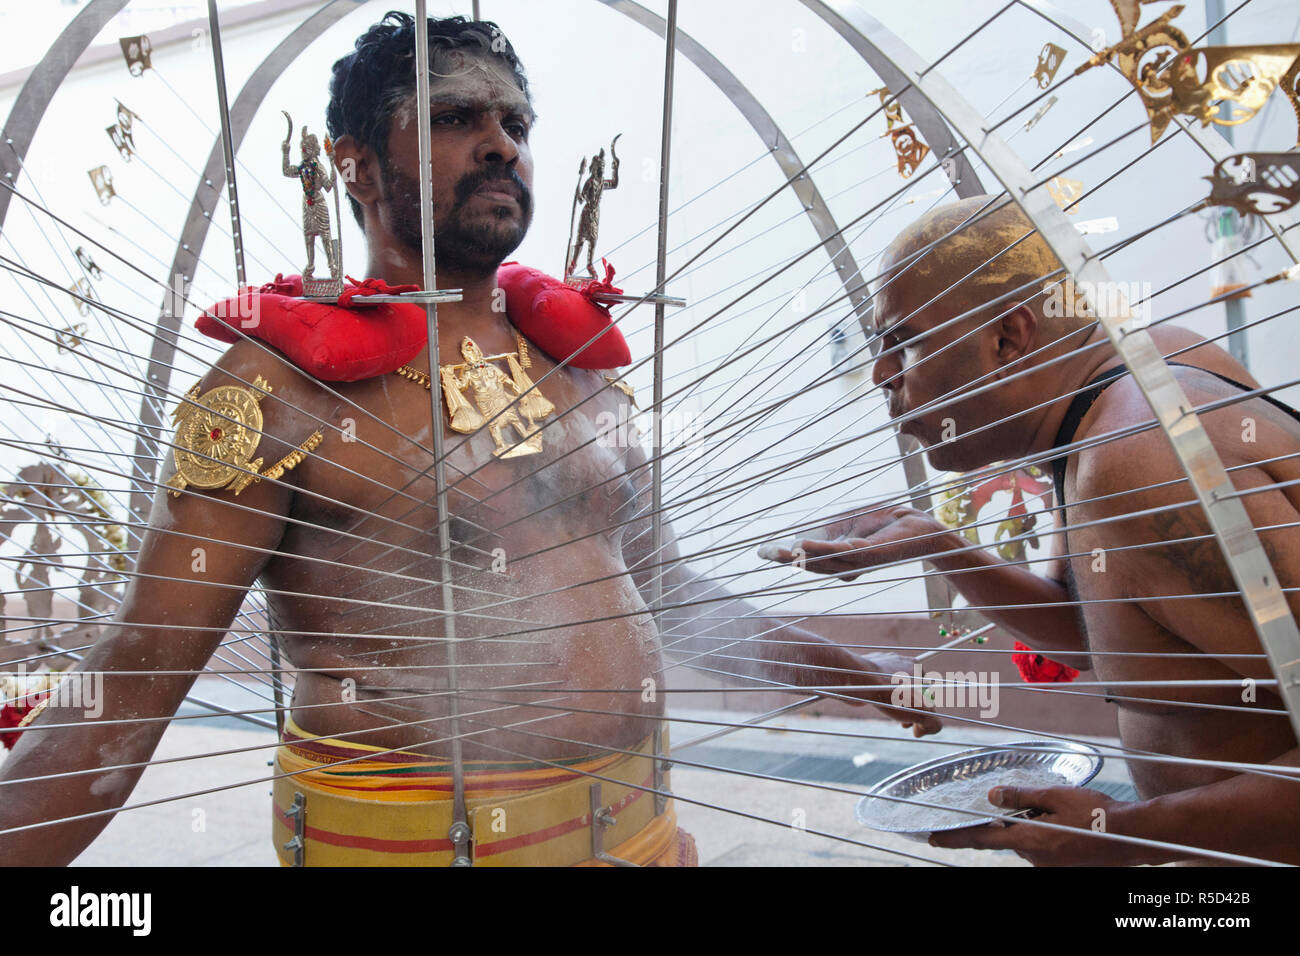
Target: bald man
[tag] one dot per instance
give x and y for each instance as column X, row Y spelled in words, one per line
column 979, row 308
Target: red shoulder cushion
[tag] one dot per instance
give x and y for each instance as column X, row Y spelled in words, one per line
column 562, row 319
column 328, row 342
column 343, row 343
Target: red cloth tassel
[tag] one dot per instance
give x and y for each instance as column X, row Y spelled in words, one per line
column 592, row 286
column 1036, row 669
column 372, row 287
column 12, row 714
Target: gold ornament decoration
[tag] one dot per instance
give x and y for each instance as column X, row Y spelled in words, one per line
column 1050, row 58
column 1130, row 12
column 909, row 149
column 1258, row 183
column 102, row 179
column 121, row 132
column 294, row 458
column 88, row 263
column 1290, row 85
column 497, row 408
column 503, row 400
column 415, row 375
column 69, row 339
column 1065, row 193
column 893, row 110
column 961, row 503
column 1243, row 77
column 1142, row 56
column 217, row 433
column 137, row 51
column 1173, row 79
column 82, row 295
column 623, row 387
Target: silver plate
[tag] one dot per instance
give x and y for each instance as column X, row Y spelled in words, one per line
column 1077, row 763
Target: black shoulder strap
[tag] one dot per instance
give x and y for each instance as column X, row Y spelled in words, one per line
column 1073, row 416
column 1085, row 399
column 1246, row 388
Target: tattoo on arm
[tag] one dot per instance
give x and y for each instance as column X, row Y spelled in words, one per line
column 1199, row 561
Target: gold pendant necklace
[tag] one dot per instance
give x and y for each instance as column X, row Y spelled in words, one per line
column 505, row 399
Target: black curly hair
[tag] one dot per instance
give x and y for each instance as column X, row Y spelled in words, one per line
column 378, row 77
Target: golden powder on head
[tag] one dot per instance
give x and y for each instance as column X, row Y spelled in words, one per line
column 999, row 251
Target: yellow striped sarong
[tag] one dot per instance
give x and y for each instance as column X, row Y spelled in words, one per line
column 395, row 809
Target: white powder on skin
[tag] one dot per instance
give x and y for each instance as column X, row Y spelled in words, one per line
column 967, row 793
column 405, row 114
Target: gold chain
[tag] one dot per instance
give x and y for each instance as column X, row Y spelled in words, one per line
column 415, row 375
column 420, row 378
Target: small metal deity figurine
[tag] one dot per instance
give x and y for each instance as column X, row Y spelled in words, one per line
column 315, row 211
column 588, row 195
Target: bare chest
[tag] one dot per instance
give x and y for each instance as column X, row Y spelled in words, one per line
column 518, row 469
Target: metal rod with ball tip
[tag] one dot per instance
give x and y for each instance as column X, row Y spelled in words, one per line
column 661, row 272
column 227, row 143
column 459, row 832
column 808, row 701
column 1226, row 220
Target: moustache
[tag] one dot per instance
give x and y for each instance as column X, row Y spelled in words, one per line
column 472, row 182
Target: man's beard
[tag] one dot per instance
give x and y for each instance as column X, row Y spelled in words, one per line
column 477, row 247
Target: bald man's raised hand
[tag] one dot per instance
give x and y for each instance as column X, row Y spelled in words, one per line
column 865, row 538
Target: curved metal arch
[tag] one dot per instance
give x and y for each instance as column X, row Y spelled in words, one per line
column 783, row 152
column 186, row 258
column 1245, row 556
column 1210, row 140
column 935, row 132
column 46, row 78
column 932, row 123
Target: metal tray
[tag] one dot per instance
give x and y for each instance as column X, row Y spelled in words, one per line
column 1077, row 763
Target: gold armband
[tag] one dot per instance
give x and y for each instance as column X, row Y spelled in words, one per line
column 216, row 435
